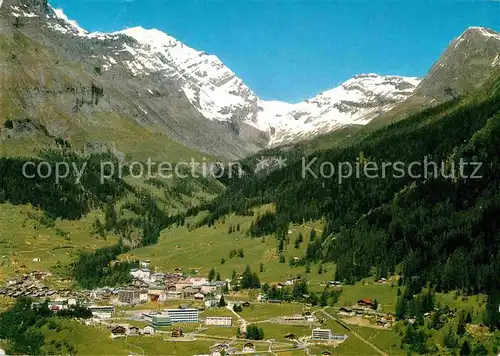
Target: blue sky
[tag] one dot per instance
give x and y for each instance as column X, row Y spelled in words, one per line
column 292, row 50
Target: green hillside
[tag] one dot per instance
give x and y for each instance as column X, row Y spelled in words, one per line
column 439, row 229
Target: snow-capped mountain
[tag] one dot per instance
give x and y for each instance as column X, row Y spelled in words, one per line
column 192, row 97
column 356, row 101
column 218, row 94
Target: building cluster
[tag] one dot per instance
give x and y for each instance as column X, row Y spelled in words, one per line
column 170, row 316
column 29, row 285
column 219, row 320
column 229, row 349
column 128, row 330
column 365, row 308
column 148, row 286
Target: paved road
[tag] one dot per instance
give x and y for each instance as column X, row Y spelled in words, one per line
column 353, row 332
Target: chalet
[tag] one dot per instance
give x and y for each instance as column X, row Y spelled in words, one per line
column 261, row 298
column 345, row 311
column 171, row 288
column 177, row 332
column 118, row 331
column 248, row 347
column 365, row 303
column 310, row 319
column 148, row 330
column 133, row 330
column 219, row 349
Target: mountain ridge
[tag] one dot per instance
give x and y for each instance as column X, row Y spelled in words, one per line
column 219, row 94
column 192, row 97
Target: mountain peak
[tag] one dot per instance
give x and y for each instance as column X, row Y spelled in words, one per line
column 482, row 31
column 466, row 63
column 38, row 6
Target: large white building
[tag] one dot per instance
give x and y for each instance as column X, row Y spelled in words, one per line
column 219, row 320
column 326, row 334
column 188, row 315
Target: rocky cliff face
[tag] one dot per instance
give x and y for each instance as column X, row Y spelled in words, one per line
column 466, row 63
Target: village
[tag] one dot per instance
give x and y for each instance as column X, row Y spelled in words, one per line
column 138, row 310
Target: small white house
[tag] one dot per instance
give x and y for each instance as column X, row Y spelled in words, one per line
column 144, row 264
column 141, row 273
column 148, row 330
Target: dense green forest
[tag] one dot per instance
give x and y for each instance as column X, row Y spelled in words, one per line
column 76, row 194
column 20, row 327
column 439, row 228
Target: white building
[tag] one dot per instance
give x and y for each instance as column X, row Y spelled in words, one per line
column 144, row 264
column 196, row 281
column 209, row 288
column 188, row 315
column 321, row 334
column 310, row 318
column 212, row 302
column 219, row 320
column 326, row 334
column 141, row 273
column 102, row 312
column 148, row 330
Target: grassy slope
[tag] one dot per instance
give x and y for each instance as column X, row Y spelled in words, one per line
column 24, row 238
column 29, row 67
column 204, row 248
